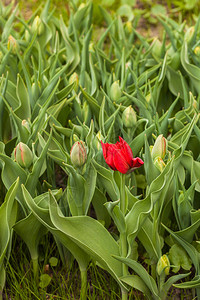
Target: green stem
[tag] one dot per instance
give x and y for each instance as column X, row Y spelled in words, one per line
column 123, row 237
column 83, row 295
column 124, row 294
column 122, row 194
column 35, row 267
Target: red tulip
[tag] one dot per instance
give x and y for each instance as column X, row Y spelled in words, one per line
column 119, row 157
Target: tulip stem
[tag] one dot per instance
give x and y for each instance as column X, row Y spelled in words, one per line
column 123, row 237
column 83, row 295
column 123, row 195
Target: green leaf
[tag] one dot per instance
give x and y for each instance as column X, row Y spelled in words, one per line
column 166, row 286
column 192, row 70
column 143, row 274
column 42, row 214
column 32, row 179
column 137, row 283
column 117, row 216
column 179, row 258
column 106, row 177
column 53, row 261
column 24, row 110
column 45, row 280
column 91, row 236
column 125, row 10
column 189, row 284
column 8, row 215
column 139, row 140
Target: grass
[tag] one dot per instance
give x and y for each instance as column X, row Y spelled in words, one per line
column 65, row 282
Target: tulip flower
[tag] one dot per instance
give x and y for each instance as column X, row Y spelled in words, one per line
column 23, row 155
column 129, row 117
column 163, row 265
column 119, row 157
column 115, row 91
column 78, row 154
column 159, row 148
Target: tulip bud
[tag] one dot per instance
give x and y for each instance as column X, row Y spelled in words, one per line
column 128, row 27
column 97, row 141
column 82, row 5
column 12, row 44
column 27, row 35
column 160, row 147
column 194, row 104
column 128, row 65
column 157, row 48
column 37, row 26
column 23, row 155
column 75, row 138
column 148, row 97
column 159, row 163
column 163, row 264
column 78, row 154
column 129, row 117
column 189, row 34
column 74, row 78
column 197, row 51
column 115, row 91
column 25, row 123
column 91, row 47
column 86, row 113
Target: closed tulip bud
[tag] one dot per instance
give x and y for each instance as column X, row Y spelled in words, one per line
column 97, row 141
column 78, row 154
column 12, row 44
column 27, row 35
column 82, row 5
column 189, row 34
column 128, row 27
column 148, row 97
column 129, row 117
column 74, row 78
column 159, row 163
column 86, row 112
column 91, row 47
column 194, row 104
column 75, row 138
column 115, row 91
column 157, row 48
column 160, row 147
column 23, row 155
column 25, row 123
column 37, row 26
column 163, row 265
column 128, row 65
column 197, row 51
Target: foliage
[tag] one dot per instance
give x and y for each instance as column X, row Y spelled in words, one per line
column 63, row 93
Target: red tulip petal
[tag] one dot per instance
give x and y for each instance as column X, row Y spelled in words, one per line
column 120, row 162
column 108, row 153
column 126, row 150
column 137, row 162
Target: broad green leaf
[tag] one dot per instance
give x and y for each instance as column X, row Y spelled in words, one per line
column 137, row 282
column 8, row 215
column 91, row 236
column 42, row 214
column 179, row 258
column 106, row 177
column 143, row 274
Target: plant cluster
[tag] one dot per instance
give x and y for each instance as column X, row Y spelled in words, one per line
column 65, row 100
